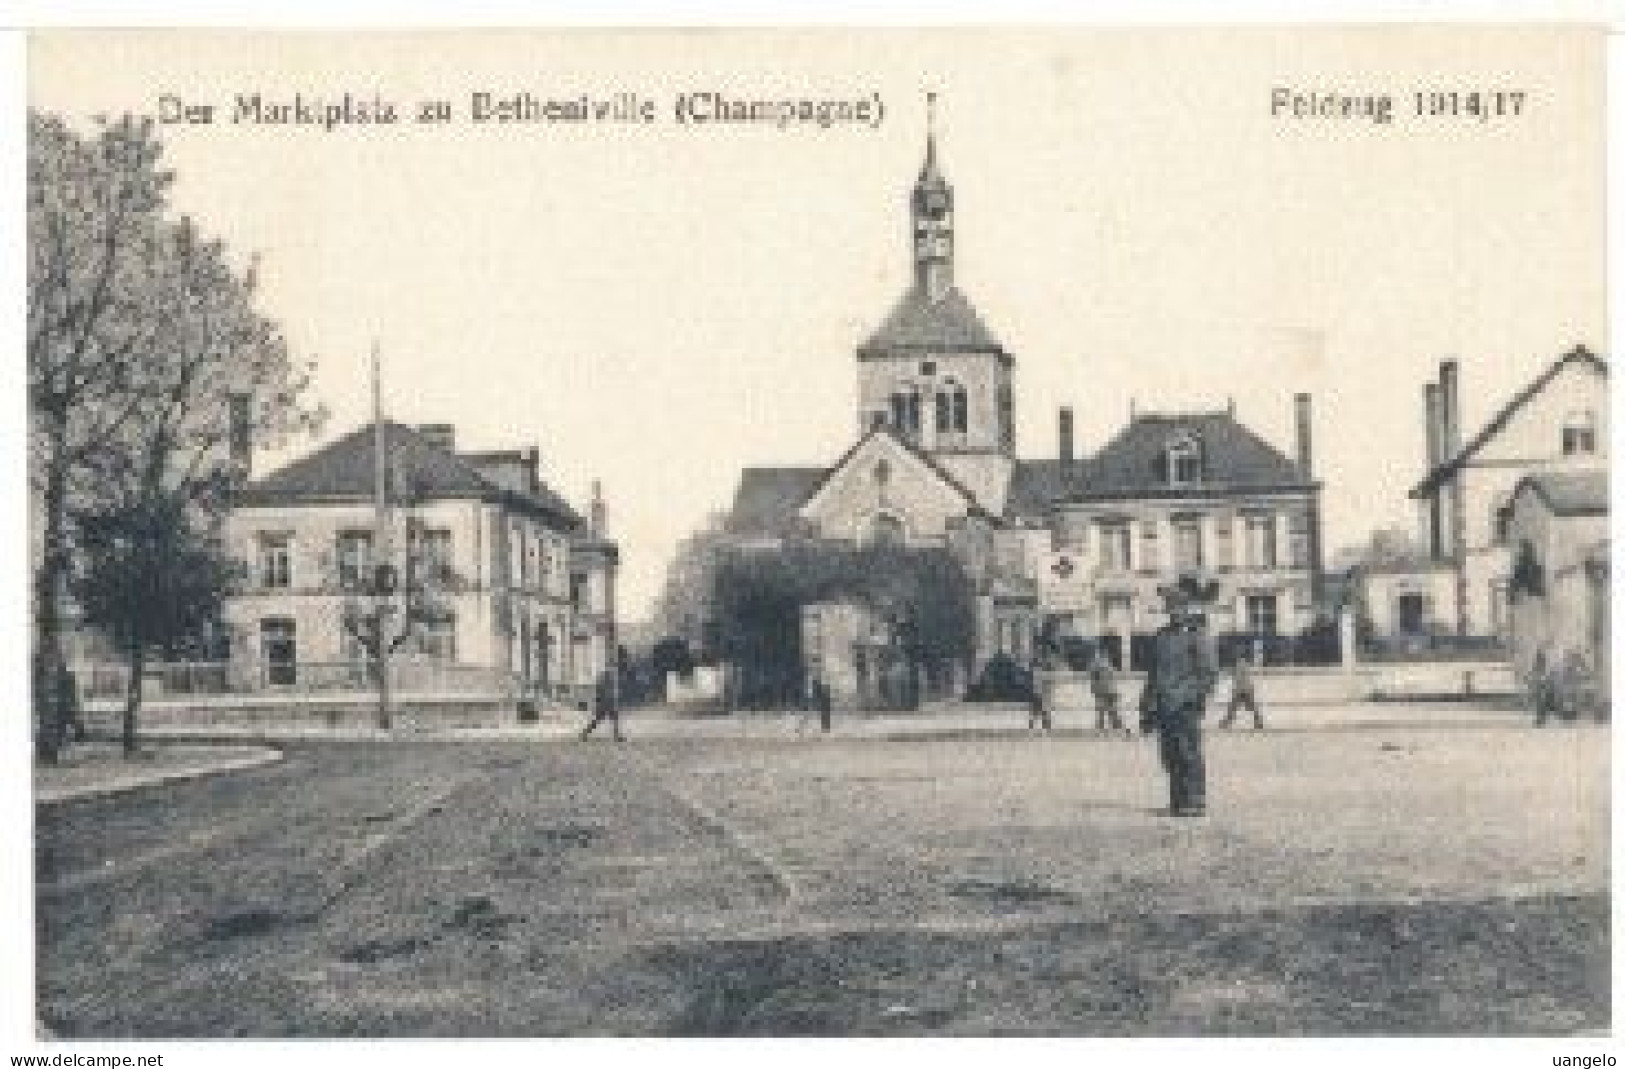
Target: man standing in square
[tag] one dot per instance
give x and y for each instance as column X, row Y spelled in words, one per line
column 1178, row 681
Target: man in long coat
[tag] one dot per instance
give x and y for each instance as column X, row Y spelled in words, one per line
column 1178, row 682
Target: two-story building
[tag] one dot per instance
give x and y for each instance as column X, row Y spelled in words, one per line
column 499, row 586
column 1558, row 421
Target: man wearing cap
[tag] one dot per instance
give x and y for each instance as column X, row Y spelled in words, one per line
column 1178, row 681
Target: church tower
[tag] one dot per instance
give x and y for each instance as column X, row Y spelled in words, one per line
column 933, row 373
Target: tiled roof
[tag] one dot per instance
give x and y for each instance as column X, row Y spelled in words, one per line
column 947, row 324
column 343, row 472
column 1579, row 354
column 768, row 498
column 1570, row 493
column 1234, row 460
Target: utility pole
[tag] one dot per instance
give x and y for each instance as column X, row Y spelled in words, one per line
column 383, row 578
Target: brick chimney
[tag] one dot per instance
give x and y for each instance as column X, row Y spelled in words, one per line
column 1301, row 406
column 597, row 515
column 1064, row 434
column 440, row 435
column 533, row 468
column 1449, row 408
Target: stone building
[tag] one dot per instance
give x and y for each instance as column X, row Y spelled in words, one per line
column 1555, row 529
column 520, row 587
column 1559, row 420
column 1064, row 545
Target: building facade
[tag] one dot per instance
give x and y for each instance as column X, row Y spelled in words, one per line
column 500, row 587
column 1067, row 545
column 1554, row 527
column 1559, row 420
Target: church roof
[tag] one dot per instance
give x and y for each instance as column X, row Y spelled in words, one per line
column 343, row 472
column 1441, row 474
column 1234, row 460
column 768, row 498
column 947, row 324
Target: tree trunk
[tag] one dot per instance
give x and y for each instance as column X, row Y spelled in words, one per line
column 50, row 717
column 132, row 698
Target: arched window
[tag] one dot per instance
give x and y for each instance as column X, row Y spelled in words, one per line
column 1580, row 433
column 953, row 408
column 885, row 530
column 899, row 412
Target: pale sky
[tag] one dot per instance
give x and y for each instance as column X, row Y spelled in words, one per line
column 660, row 306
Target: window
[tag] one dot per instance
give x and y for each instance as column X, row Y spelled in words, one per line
column 905, row 412
column 1298, row 539
column 886, row 530
column 945, row 412
column 1150, row 556
column 1224, row 550
column 1188, row 543
column 1261, row 541
column 1261, row 619
column 1580, row 433
column 928, row 368
column 578, row 592
column 354, row 559
column 276, row 572
column 434, row 552
column 961, row 409
column 438, row 638
column 1114, row 545
column 1183, row 462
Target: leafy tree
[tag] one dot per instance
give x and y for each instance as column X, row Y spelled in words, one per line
column 149, row 577
column 141, row 333
column 671, row 654
column 683, row 608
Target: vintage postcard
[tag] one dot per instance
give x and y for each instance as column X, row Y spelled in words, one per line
column 1074, row 531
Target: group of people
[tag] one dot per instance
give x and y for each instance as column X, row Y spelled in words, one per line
column 1180, row 678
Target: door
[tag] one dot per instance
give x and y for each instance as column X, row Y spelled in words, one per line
column 1413, row 612
column 279, row 647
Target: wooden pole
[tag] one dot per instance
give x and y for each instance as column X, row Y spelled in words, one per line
column 382, row 597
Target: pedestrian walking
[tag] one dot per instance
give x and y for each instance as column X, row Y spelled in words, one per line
column 1038, row 710
column 815, row 703
column 1242, row 692
column 605, row 706
column 1542, row 687
column 1178, row 682
column 1103, row 684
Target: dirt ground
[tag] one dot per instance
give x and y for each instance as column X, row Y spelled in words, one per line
column 1384, row 881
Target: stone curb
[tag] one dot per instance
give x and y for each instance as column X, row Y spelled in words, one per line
column 240, row 763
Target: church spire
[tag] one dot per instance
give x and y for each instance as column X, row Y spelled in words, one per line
column 932, row 211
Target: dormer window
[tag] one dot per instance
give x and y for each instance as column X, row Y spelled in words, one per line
column 1580, row 433
column 1182, row 462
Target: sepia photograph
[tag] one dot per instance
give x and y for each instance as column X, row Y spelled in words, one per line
column 839, row 531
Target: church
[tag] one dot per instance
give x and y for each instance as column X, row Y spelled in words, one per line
column 1070, row 547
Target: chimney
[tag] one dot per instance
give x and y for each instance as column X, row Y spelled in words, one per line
column 1064, row 434
column 533, row 468
column 440, row 435
column 1433, row 425
column 1306, row 443
column 597, row 513
column 241, row 437
column 1449, row 409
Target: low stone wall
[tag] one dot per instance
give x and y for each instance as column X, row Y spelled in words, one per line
column 1319, row 686
column 317, row 711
